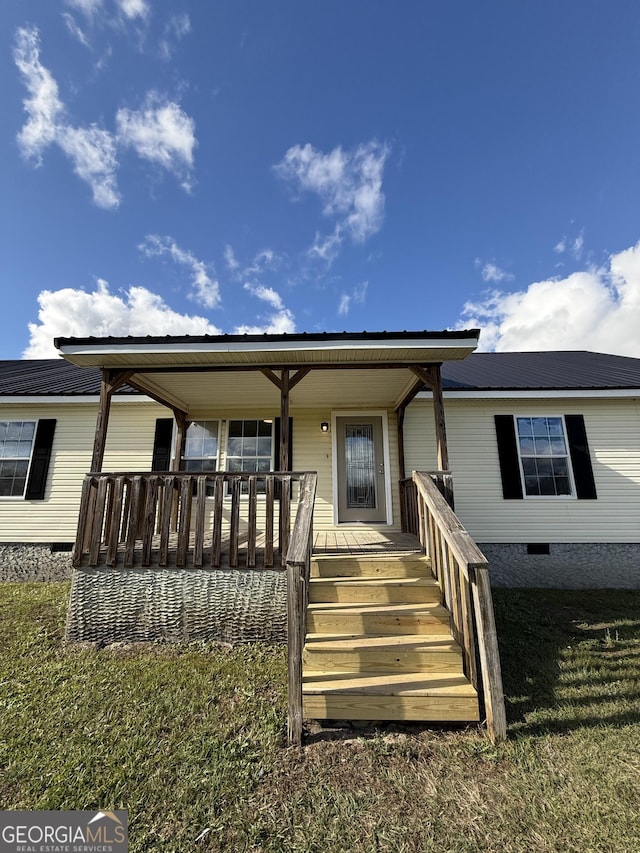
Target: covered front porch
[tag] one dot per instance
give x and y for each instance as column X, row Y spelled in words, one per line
column 227, row 553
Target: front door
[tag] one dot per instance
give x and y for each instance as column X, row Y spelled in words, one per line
column 360, row 469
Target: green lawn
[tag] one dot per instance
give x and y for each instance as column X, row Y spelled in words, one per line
column 191, row 740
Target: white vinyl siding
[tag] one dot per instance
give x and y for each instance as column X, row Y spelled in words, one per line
column 129, row 448
column 612, row 426
column 312, row 451
column 613, row 434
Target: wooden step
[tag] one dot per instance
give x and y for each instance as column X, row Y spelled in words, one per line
column 368, row 590
column 440, row 697
column 376, row 619
column 405, row 653
column 379, row 643
column 380, row 565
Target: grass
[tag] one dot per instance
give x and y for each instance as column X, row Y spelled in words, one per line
column 191, row 740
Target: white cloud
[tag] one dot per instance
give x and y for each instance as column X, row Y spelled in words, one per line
column 129, row 8
column 574, row 246
column 133, row 8
column 268, row 294
column 280, row 322
column 357, row 296
column 87, row 7
column 91, row 150
column 492, row 272
column 93, row 154
column 206, row 289
column 349, row 183
column 594, row 309
column 345, row 302
column 176, row 28
column 44, row 108
column 162, row 133
column 75, row 313
column 265, row 259
column 578, row 245
column 230, row 258
column 75, row 29
column 326, row 248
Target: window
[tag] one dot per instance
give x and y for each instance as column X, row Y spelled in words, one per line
column 201, row 447
column 16, row 446
column 250, row 446
column 544, row 456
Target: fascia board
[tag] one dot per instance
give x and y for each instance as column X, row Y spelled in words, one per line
column 536, row 394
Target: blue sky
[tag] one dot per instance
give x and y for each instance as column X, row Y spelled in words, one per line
column 191, row 167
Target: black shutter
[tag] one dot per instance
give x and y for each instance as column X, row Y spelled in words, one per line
column 580, row 458
column 161, row 459
column 508, row 455
column 276, row 445
column 40, row 460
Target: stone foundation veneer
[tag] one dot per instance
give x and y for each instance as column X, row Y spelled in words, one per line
column 144, row 605
column 34, row 562
column 567, row 566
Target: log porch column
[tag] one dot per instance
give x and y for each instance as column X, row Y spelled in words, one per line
column 285, row 383
column 111, row 381
column 431, row 376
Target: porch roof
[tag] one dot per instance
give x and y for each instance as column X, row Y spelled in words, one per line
column 193, row 373
column 270, row 350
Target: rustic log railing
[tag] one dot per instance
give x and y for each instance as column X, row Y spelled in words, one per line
column 180, row 520
column 463, row 574
column 298, row 572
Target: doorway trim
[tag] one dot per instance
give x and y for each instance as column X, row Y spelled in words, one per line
column 365, row 413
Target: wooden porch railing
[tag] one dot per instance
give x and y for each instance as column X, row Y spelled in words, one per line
column 463, row 574
column 298, row 572
column 180, row 520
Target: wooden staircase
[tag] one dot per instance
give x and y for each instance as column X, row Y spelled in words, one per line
column 379, row 645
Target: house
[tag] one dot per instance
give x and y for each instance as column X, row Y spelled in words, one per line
column 543, row 450
column 588, row 537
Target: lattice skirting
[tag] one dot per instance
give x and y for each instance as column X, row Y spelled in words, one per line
column 234, row 606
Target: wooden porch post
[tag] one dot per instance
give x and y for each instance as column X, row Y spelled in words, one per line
column 181, row 437
column 285, row 382
column 284, row 420
column 430, row 375
column 400, row 413
column 111, row 381
column 438, row 413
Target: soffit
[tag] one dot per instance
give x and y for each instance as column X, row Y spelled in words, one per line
column 325, row 389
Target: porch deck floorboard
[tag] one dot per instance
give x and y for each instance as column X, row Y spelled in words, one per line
column 366, row 541
column 326, row 542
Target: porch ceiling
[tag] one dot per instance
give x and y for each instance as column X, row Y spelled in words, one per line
column 319, row 389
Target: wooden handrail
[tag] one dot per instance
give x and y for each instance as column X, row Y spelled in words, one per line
column 182, row 519
column 462, row 571
column 298, row 573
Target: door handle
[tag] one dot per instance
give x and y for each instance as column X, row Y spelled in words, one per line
column 381, row 468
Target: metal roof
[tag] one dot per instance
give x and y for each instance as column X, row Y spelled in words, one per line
column 508, row 371
column 555, row 370
column 49, row 377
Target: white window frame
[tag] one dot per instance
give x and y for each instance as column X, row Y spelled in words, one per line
column 20, row 458
column 572, row 486
column 184, row 458
column 227, row 455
